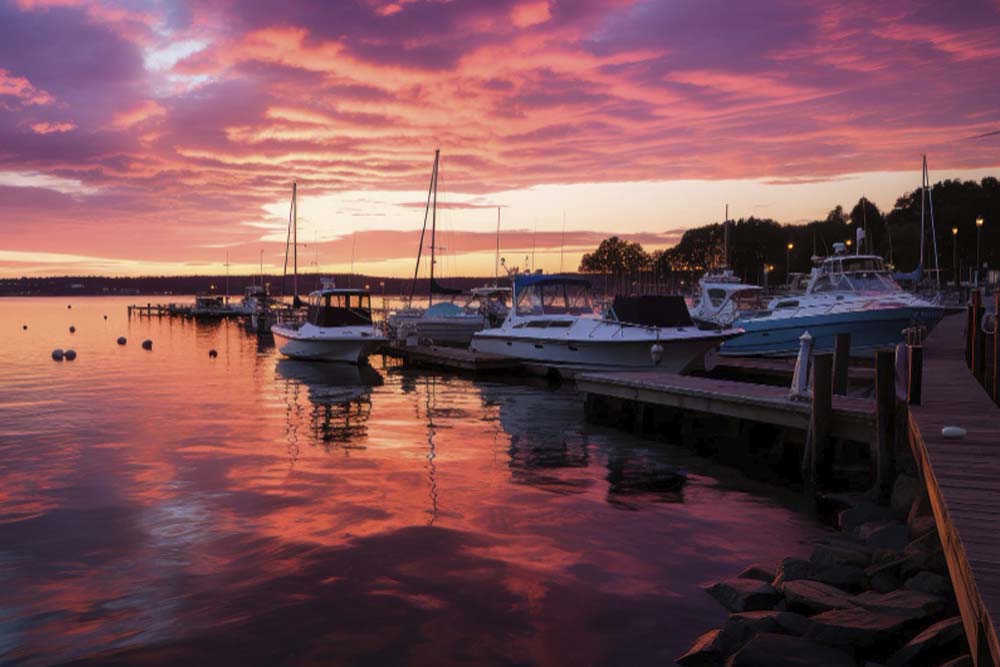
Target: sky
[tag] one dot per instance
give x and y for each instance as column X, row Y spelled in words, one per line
column 161, row 137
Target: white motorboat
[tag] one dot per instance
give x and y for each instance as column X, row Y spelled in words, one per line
column 852, row 294
column 553, row 326
column 447, row 323
column 338, row 327
column 722, row 298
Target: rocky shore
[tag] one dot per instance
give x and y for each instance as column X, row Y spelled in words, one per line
column 876, row 593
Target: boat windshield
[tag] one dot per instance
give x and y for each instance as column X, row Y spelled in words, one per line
column 352, row 301
column 854, row 274
column 555, row 299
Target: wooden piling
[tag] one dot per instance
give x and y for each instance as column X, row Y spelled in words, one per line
column 915, row 374
column 979, row 348
column 841, row 363
column 815, row 461
column 885, row 419
column 996, row 348
column 972, row 333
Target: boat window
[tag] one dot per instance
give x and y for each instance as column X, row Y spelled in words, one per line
column 822, row 284
column 717, row 296
column 555, row 299
column 787, row 304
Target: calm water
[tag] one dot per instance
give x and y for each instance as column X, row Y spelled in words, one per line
column 167, row 508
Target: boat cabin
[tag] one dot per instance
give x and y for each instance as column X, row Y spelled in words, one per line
column 209, row 302
column 851, row 273
column 539, row 294
column 332, row 307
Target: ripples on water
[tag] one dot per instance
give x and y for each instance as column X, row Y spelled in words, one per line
column 163, row 507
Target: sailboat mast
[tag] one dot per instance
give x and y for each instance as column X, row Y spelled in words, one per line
column 496, row 258
column 295, row 245
column 423, row 232
column 434, row 205
column 923, row 200
column 725, row 239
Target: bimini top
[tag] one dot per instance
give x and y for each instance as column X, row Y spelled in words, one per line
column 337, row 290
column 530, row 280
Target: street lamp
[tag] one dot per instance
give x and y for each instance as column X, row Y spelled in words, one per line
column 849, row 242
column 954, row 254
column 979, row 229
column 788, row 259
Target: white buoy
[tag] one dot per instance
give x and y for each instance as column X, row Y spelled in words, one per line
column 953, row 432
column 147, row 344
column 57, row 354
column 70, row 355
column 122, row 340
column 656, row 353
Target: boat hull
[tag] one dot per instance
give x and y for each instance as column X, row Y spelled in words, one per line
column 344, row 349
column 870, row 330
column 679, row 356
column 452, row 331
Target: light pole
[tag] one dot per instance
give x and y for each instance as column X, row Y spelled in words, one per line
column 979, row 229
column 788, row 260
column 954, row 254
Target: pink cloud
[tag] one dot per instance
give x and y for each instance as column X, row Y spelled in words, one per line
column 48, row 128
column 22, row 89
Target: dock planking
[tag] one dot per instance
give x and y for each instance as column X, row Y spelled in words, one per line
column 963, row 480
column 853, row 418
column 450, row 358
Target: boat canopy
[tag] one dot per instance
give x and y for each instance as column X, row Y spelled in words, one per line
column 339, row 307
column 852, row 273
column 540, row 294
column 443, row 309
column 652, row 310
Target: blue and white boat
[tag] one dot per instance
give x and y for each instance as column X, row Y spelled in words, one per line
column 852, row 294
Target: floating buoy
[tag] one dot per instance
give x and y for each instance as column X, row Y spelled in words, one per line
column 72, row 329
column 57, row 354
column 24, row 327
column 147, row 344
column 122, row 340
column 105, row 317
column 70, row 355
column 953, row 432
column 212, row 353
column 68, row 306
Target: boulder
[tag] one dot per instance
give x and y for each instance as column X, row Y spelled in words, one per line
column 746, row 624
column 813, row 596
column 708, row 650
column 925, row 553
column 865, row 512
column 793, row 569
column 773, row 650
column 737, row 594
column 928, row 582
column 921, row 525
column 833, row 555
column 905, row 490
column 884, row 535
column 909, row 604
column 921, row 507
column 758, row 572
column 935, row 643
column 884, row 582
column 857, row 628
column 847, row 577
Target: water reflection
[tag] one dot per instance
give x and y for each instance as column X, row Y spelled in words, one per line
column 164, row 507
column 339, row 397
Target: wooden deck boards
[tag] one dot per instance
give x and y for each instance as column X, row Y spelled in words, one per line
column 853, row 418
column 451, row 358
column 963, row 479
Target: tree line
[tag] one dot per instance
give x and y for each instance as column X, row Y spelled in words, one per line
column 759, row 244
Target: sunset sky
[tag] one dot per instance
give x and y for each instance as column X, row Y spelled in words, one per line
column 156, row 137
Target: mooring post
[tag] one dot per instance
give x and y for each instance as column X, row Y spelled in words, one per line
column 978, row 338
column 973, row 329
column 841, row 362
column 885, row 419
column 969, row 329
column 915, row 371
column 996, row 347
column 816, row 458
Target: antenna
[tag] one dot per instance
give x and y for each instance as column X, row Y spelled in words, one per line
column 562, row 242
column 725, row 239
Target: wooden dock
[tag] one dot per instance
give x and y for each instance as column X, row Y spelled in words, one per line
column 853, row 418
column 450, row 358
column 963, row 480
